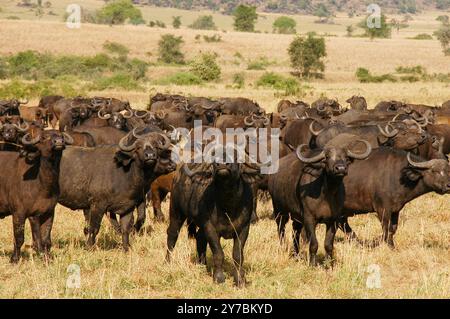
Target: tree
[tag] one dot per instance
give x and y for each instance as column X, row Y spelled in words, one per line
column 306, row 55
column 350, row 29
column 206, row 67
column 444, row 19
column 383, row 30
column 204, row 23
column 443, row 35
column 170, row 49
column 322, row 12
column 118, row 11
column 245, row 18
column 176, row 22
column 284, row 25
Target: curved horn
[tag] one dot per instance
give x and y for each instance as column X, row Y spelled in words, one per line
column 411, row 122
column 166, row 144
column 313, row 159
column 22, row 128
column 266, row 121
column 208, row 107
column 103, row 117
column 34, row 141
column 26, row 101
column 160, row 115
column 386, row 133
column 144, row 114
column 126, row 148
column 363, row 155
column 128, row 114
column 311, row 129
column 321, row 108
column 408, row 109
column 135, row 134
column 427, row 164
column 247, row 122
column 67, row 138
column 395, row 117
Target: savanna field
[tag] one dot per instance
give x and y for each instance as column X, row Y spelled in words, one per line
column 419, row 266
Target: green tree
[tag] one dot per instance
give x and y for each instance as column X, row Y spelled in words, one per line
column 322, row 12
column 350, row 29
column 118, row 11
column 176, row 22
column 245, row 18
column 169, row 49
column 205, row 67
column 384, row 29
column 443, row 35
column 444, row 19
column 284, row 25
column 204, row 23
column 306, row 55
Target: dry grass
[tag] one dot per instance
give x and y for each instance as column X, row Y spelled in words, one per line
column 419, row 267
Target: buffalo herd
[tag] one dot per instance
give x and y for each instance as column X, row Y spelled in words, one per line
column 103, row 157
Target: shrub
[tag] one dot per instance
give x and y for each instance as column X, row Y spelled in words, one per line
column 118, row 11
column 260, row 63
column 238, row 80
column 322, row 12
column 350, row 29
column 422, row 36
column 116, row 48
column 384, row 31
column 278, row 82
column 204, row 23
column 12, row 18
column 19, row 89
column 120, row 80
column 170, row 49
column 176, row 22
column 181, row 78
column 364, row 76
column 443, row 35
column 157, row 24
column 418, row 69
column 306, row 55
column 213, row 38
column 206, row 67
column 444, row 19
column 284, row 25
column 245, row 18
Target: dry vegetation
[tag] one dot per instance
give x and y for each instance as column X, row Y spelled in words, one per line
column 419, row 267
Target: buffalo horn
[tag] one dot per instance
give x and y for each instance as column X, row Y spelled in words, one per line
column 363, row 155
column 427, row 164
column 311, row 129
column 33, row 141
column 313, row 159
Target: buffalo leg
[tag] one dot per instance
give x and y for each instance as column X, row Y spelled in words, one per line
column 173, row 231
column 36, row 233
column 126, row 224
column 329, row 239
column 385, row 219
column 46, row 222
column 254, row 218
column 345, row 227
column 157, row 198
column 281, row 220
column 19, row 228
column 392, row 229
column 218, row 255
column 86, row 221
column 114, row 223
column 310, row 226
column 201, row 246
column 95, row 220
column 141, row 216
column 238, row 256
column 297, row 229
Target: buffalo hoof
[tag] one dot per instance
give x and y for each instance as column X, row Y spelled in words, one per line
column 219, row 277
column 241, row 282
column 14, row 259
column 159, row 218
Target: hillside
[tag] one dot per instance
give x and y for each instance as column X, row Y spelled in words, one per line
column 304, row 6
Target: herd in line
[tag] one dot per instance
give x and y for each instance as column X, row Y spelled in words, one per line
column 103, row 157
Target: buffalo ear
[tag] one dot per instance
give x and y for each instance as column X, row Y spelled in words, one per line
column 250, row 173
column 412, row 174
column 123, row 159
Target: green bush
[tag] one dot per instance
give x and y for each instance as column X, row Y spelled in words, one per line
column 364, row 76
column 245, row 18
column 206, row 67
column 443, row 35
column 284, row 25
column 279, row 82
column 204, row 23
column 306, row 55
column 418, row 69
column 260, row 63
column 12, row 18
column 157, row 23
column 120, row 81
column 119, row 11
column 181, row 78
column 116, row 48
column 170, row 49
column 422, row 36
column 176, row 22
column 239, row 80
column 384, row 31
column 19, row 89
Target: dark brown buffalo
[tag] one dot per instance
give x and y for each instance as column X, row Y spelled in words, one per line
column 240, row 106
column 386, row 181
column 286, row 104
column 113, row 178
column 357, row 103
column 217, row 198
column 11, row 135
column 29, row 187
column 35, row 114
column 239, row 121
column 441, row 131
column 390, row 106
column 10, row 107
column 309, row 188
column 158, row 192
column 47, row 102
